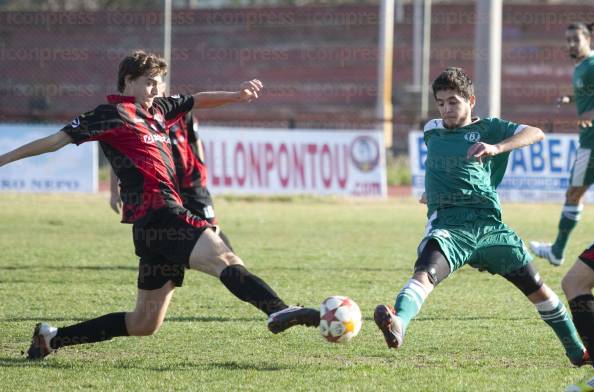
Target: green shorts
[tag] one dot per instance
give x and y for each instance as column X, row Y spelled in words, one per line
column 582, row 172
column 478, row 238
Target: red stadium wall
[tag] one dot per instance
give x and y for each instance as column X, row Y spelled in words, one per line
column 318, row 63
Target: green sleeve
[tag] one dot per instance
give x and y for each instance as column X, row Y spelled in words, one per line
column 500, row 130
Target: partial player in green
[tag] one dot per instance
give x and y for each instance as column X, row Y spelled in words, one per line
column 466, row 161
column 582, row 173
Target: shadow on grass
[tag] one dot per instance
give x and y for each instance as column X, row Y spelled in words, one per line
column 70, row 267
column 42, row 319
column 221, row 319
column 334, row 269
column 230, row 365
column 199, row 319
column 475, row 318
column 135, row 268
column 208, row 319
column 10, row 362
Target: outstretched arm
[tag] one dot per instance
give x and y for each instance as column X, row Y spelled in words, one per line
column 248, row 91
column 528, row 135
column 40, row 146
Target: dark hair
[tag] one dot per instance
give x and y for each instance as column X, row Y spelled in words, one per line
column 585, row 28
column 453, row 78
column 140, row 63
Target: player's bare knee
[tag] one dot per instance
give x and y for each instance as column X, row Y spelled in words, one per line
column 224, row 260
column 232, row 259
column 143, row 324
column 423, row 278
column 574, row 195
column 543, row 293
column 568, row 283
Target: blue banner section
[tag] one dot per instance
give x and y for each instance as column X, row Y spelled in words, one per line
column 70, row 169
column 540, row 171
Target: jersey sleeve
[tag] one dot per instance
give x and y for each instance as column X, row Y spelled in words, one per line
column 499, row 130
column 174, row 107
column 94, row 125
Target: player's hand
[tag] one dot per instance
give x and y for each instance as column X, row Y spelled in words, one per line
column 115, row 202
column 423, row 199
column 563, row 100
column 248, row 91
column 581, row 123
column 482, row 150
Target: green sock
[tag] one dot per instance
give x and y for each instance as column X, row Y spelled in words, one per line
column 553, row 312
column 409, row 301
column 570, row 216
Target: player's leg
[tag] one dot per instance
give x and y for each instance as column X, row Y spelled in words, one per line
column 502, row 251
column 430, row 269
column 211, row 256
column 147, row 317
column 226, row 240
column 551, row 310
column 582, row 176
column 577, row 285
column 570, row 216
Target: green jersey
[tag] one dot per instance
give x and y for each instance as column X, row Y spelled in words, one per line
column 451, row 180
column 583, row 90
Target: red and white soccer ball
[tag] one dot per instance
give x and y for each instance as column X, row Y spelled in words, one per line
column 340, row 319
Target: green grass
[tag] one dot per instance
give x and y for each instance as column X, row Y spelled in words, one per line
column 66, row 258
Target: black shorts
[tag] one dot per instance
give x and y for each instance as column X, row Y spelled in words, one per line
column 199, row 202
column 164, row 243
column 587, row 256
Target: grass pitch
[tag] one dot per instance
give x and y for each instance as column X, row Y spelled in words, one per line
column 65, row 258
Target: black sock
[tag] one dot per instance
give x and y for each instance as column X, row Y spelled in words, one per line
column 96, row 330
column 226, row 240
column 582, row 309
column 249, row 288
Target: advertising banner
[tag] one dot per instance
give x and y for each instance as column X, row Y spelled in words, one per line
column 295, row 162
column 70, row 169
column 539, row 172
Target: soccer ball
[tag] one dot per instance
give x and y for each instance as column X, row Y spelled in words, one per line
column 340, row 319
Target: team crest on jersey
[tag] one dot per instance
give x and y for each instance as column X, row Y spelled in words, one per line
column 579, row 83
column 472, row 137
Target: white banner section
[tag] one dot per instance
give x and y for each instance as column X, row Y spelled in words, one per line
column 539, row 172
column 295, row 162
column 70, row 169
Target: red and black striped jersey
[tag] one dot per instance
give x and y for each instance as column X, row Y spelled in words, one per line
column 136, row 143
column 188, row 153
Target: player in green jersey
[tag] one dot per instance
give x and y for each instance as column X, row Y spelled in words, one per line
column 466, row 160
column 582, row 173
